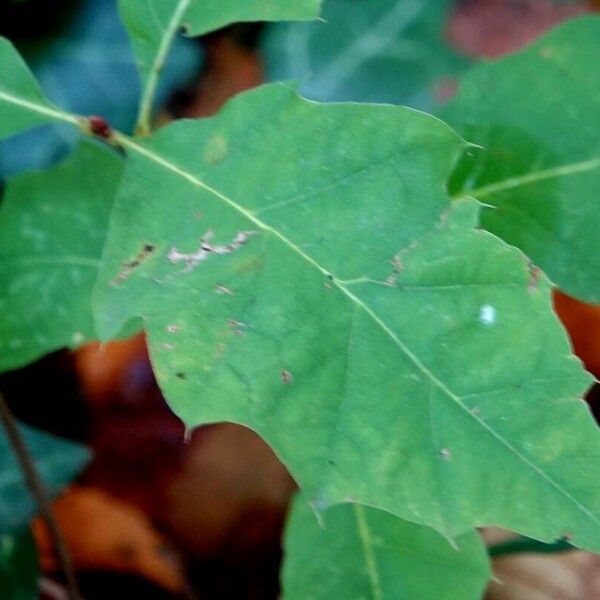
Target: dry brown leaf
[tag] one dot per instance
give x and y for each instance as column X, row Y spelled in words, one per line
column 103, row 533
column 491, row 28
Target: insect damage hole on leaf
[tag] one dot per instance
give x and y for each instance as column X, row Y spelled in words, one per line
column 237, row 326
column 206, row 248
column 221, row 289
column 130, row 265
column 398, row 266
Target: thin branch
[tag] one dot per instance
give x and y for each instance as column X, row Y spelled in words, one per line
column 39, row 492
column 149, row 91
column 42, row 109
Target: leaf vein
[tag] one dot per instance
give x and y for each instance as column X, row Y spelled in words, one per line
column 531, row 178
column 366, row 539
column 40, row 108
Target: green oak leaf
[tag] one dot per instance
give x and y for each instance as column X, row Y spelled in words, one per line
column 22, row 102
column 153, row 24
column 203, row 16
column 536, row 115
column 385, row 51
column 58, row 461
column 52, row 230
column 293, row 274
column 361, row 553
column 18, row 565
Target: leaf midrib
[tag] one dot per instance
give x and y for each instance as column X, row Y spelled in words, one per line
column 530, row 178
column 366, row 541
column 36, row 107
column 159, row 160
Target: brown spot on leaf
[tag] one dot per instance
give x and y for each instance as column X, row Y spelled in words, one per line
column 237, row 326
column 534, row 278
column 286, row 377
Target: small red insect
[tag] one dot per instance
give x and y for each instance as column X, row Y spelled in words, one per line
column 100, row 127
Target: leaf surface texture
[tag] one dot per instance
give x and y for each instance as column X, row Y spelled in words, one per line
column 307, row 280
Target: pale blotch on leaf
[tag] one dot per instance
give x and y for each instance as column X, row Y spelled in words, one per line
column 487, row 314
column 77, row 338
column 216, row 149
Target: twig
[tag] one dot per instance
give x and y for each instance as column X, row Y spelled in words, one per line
column 38, row 491
column 158, row 63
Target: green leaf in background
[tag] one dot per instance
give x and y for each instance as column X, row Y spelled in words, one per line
column 52, row 230
column 89, row 69
column 537, row 115
column 18, row 565
column 22, row 104
column 385, row 51
column 361, row 553
column 153, row 24
column 203, row 16
column 58, row 461
column 261, row 247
